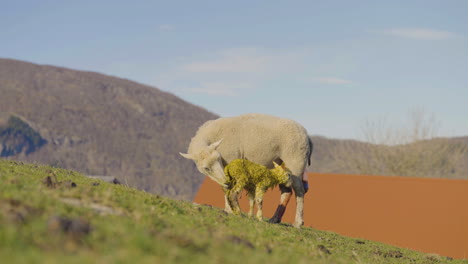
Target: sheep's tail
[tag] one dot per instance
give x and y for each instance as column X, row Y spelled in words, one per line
column 309, row 154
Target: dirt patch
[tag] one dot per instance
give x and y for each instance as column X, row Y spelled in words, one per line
column 393, row 254
column 268, row 249
column 186, row 242
column 115, row 181
column 241, row 241
column 75, row 227
column 49, row 182
column 52, row 182
column 324, row 249
column 16, row 211
column 99, row 208
column 389, row 254
column 68, row 184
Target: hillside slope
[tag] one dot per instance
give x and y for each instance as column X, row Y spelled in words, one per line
column 51, row 215
column 102, row 125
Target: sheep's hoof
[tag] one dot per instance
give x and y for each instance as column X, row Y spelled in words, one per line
column 298, row 224
column 274, row 220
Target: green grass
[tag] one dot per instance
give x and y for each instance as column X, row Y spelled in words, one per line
column 110, row 223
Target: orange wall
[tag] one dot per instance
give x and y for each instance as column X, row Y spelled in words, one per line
column 429, row 215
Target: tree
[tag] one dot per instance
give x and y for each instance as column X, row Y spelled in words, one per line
column 412, row 150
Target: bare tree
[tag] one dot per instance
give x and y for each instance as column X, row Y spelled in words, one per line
column 412, row 150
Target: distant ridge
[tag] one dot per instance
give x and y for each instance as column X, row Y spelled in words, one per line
column 103, row 125
column 435, row 158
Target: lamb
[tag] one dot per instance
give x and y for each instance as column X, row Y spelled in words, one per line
column 261, row 139
column 255, row 179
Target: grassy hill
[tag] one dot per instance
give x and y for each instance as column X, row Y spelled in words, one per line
column 98, row 125
column 51, row 215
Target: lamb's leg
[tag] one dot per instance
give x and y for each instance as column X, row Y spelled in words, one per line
column 234, row 204
column 227, row 206
column 251, row 203
column 286, row 193
column 232, row 198
column 259, row 201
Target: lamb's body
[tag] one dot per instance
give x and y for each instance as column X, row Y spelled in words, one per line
column 259, row 138
column 255, row 179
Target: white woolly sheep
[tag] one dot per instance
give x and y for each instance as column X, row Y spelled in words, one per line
column 261, row 139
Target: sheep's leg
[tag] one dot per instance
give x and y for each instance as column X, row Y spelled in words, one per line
column 299, row 192
column 286, row 193
column 259, row 192
column 297, row 168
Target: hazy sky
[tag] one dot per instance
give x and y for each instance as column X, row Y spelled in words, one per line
column 329, row 65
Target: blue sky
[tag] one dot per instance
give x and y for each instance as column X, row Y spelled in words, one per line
column 330, row 65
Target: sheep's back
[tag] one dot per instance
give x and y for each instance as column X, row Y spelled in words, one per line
column 257, row 137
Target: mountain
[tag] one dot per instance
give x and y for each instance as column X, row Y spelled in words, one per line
column 106, row 126
column 98, row 125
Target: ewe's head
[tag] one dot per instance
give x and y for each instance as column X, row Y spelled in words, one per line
column 283, row 174
column 209, row 162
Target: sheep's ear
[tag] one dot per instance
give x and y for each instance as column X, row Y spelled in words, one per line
column 216, row 144
column 276, row 164
column 187, row 156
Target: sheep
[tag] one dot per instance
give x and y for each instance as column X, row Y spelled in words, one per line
column 261, row 139
column 256, row 180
